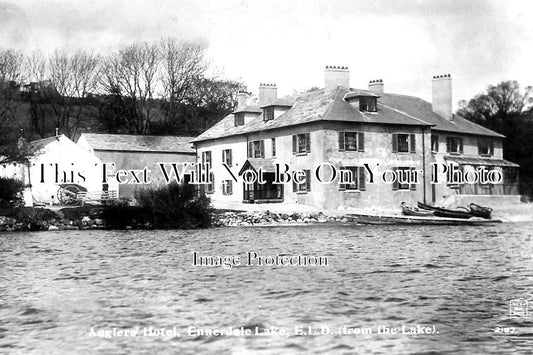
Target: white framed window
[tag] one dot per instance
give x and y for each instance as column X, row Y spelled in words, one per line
column 403, row 143
column 301, row 143
column 227, row 157
column 227, row 187
column 454, row 145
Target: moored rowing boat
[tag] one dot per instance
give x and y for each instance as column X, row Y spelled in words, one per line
column 444, row 212
column 480, row 211
column 415, row 211
column 362, row 218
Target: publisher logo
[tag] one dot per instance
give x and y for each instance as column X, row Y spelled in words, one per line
column 518, row 309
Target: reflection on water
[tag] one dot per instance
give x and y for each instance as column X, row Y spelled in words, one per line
column 56, row 286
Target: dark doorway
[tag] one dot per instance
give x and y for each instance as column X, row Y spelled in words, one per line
column 263, row 193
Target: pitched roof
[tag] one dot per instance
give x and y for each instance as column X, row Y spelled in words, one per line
column 256, row 163
column 422, row 109
column 41, row 143
column 318, row 105
column 138, row 143
column 312, row 106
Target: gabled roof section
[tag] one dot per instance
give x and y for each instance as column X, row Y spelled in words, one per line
column 255, row 163
column 41, row 143
column 421, row 109
column 138, row 143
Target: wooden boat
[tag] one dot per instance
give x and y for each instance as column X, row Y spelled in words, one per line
column 480, row 211
column 415, row 211
column 443, row 212
column 361, row 218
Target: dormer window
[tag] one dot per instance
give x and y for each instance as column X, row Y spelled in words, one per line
column 365, row 101
column 268, row 113
column 239, row 119
column 368, row 104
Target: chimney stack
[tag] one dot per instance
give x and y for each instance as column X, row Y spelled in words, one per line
column 242, row 99
column 335, row 76
column 376, row 86
column 268, row 93
column 441, row 95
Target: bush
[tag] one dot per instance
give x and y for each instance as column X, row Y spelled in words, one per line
column 26, row 214
column 10, row 190
column 33, row 219
column 122, row 215
column 176, row 206
column 77, row 213
column 170, row 207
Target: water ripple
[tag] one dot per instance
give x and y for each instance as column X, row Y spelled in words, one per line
column 56, row 287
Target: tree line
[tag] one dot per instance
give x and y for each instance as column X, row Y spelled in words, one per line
column 507, row 109
column 164, row 88
column 142, row 88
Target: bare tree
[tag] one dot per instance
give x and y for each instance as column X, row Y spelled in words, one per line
column 38, row 92
column 36, row 67
column 183, row 65
column 10, row 79
column 11, row 64
column 131, row 75
column 73, row 75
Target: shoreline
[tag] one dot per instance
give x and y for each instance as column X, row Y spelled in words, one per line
column 89, row 218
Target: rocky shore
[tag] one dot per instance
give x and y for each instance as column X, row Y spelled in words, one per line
column 242, row 219
column 30, row 219
column 49, row 220
column 43, row 220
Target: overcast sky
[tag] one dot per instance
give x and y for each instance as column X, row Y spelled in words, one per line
column 403, row 42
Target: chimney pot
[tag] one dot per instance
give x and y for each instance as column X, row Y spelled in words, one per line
column 376, row 86
column 242, row 99
column 335, row 76
column 441, row 95
column 268, row 93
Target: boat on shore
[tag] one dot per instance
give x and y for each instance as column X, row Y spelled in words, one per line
column 447, row 213
column 361, row 218
column 415, row 211
column 480, row 211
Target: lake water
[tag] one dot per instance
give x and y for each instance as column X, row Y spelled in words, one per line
column 60, row 291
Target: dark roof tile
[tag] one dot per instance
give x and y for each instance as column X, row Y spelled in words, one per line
column 41, row 143
column 318, row 105
column 422, row 110
column 139, row 143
